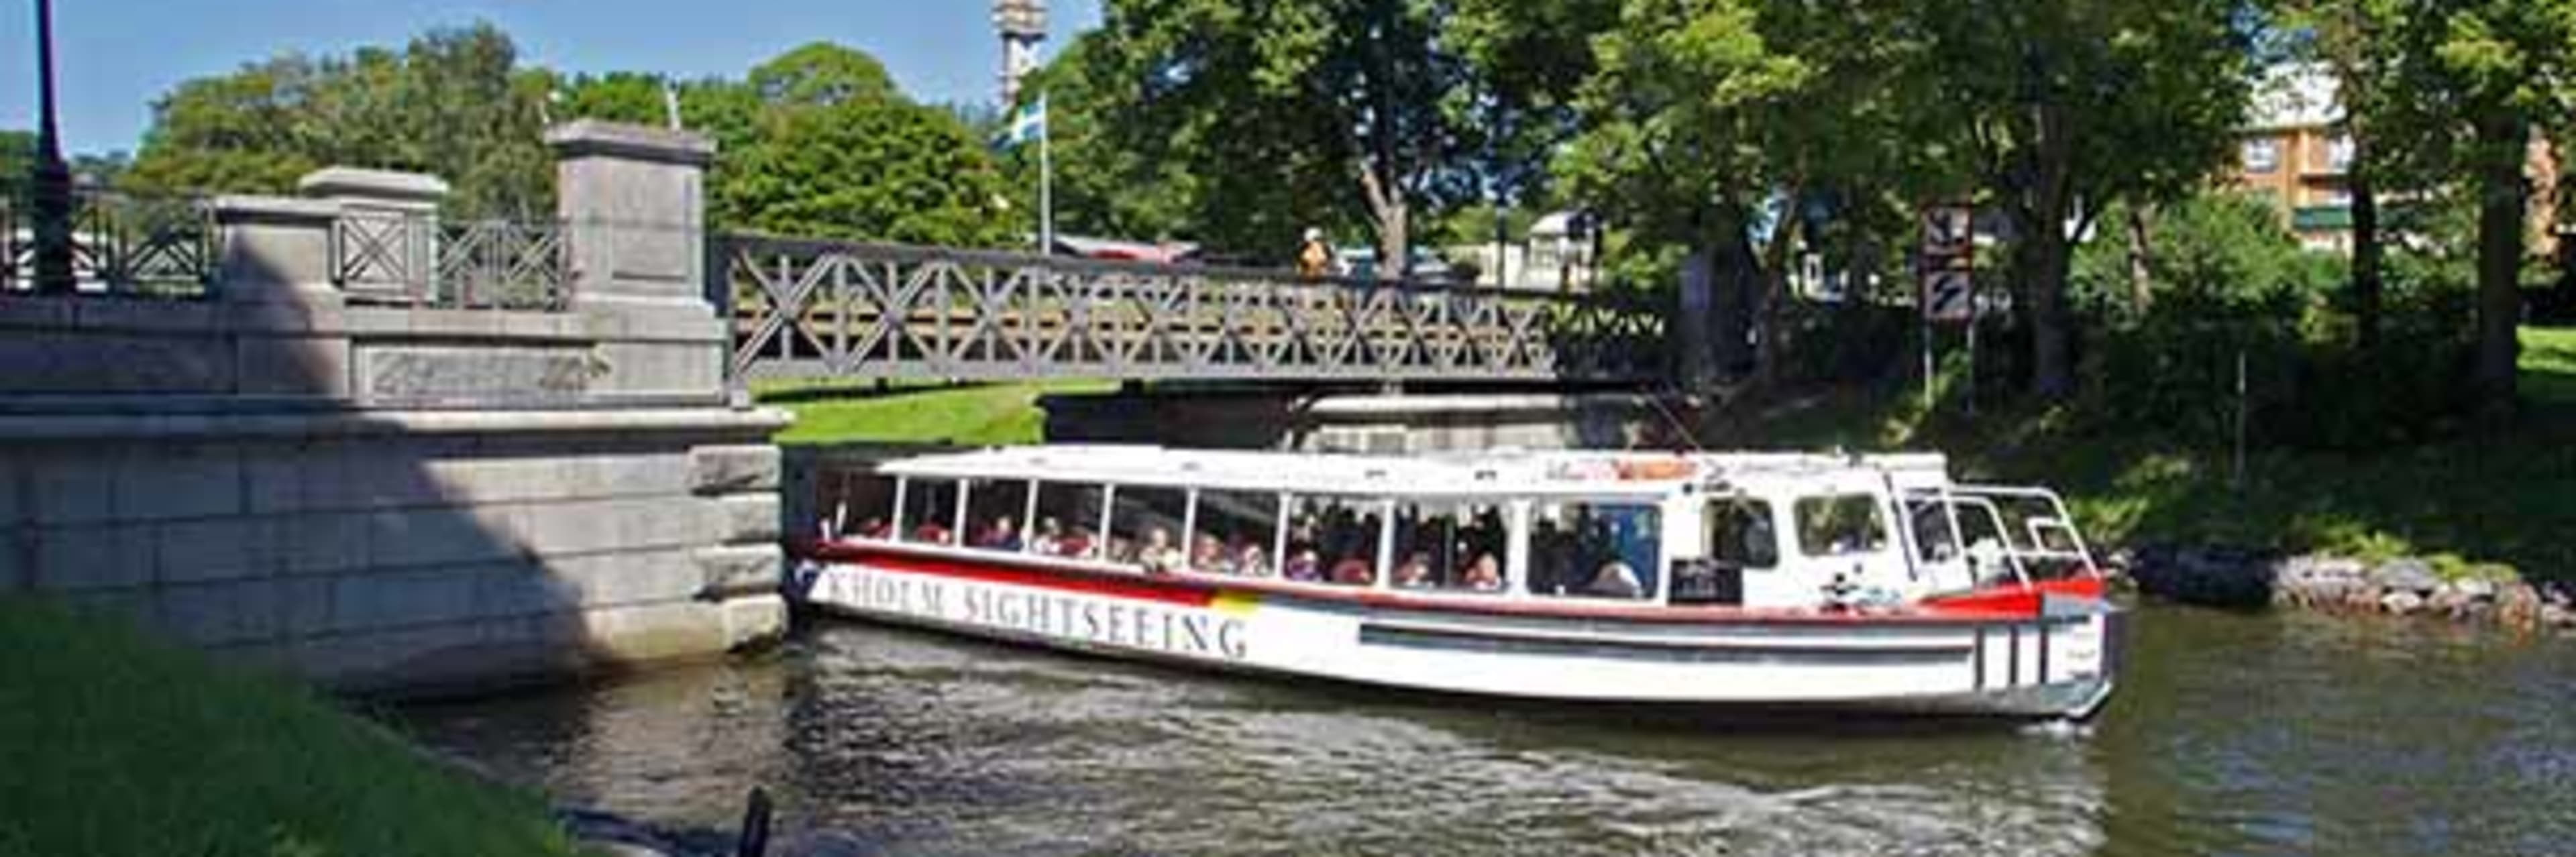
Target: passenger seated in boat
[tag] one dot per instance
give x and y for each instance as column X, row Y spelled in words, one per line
column 1249, row 561
column 1485, row 575
column 875, row 528
column 1003, row 534
column 930, row 533
column 1208, row 556
column 1304, row 565
column 1354, row 571
column 1415, row 573
column 1158, row 554
column 1615, row 580
column 1079, row 544
column 1050, row 538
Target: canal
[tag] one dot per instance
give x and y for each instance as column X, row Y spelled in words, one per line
column 2232, row 734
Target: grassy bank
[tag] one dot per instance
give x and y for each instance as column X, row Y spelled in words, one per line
column 111, row 744
column 973, row 415
column 2493, row 494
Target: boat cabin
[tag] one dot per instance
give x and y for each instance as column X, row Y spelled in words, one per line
column 1790, row 531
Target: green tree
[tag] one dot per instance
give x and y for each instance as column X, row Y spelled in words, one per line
column 2065, row 106
column 236, row 133
column 1675, row 149
column 1104, row 185
column 2479, row 78
column 868, row 169
column 1529, row 60
column 1295, row 112
column 822, row 74
column 17, row 156
column 618, row 96
column 453, row 103
column 2349, row 39
column 1702, row 129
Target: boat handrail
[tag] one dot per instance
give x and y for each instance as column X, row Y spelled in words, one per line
column 2060, row 518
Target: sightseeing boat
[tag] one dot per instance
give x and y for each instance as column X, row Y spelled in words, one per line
column 1761, row 580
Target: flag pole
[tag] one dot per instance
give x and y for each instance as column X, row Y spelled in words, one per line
column 1046, row 181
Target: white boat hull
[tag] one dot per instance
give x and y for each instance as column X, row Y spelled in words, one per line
column 2055, row 662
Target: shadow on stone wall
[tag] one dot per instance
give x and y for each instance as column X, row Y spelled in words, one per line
column 386, row 498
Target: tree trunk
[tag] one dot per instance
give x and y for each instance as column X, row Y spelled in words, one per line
column 2500, row 140
column 1387, row 212
column 2141, row 266
column 1772, row 289
column 1693, row 331
column 2052, row 339
column 2366, row 282
column 1734, row 281
column 2042, row 254
column 1394, row 250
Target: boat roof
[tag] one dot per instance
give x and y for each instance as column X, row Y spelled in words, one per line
column 1569, row 473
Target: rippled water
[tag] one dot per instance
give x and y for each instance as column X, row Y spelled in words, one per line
column 2231, row 735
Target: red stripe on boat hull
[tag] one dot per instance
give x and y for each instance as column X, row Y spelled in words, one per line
column 1195, row 590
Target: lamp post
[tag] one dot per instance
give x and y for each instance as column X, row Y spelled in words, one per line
column 51, row 179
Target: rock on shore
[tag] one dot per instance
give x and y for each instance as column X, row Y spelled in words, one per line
column 2405, row 586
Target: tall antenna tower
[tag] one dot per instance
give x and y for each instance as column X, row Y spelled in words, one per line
column 1022, row 24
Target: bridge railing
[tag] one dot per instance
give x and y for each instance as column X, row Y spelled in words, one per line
column 121, row 244
column 808, row 308
column 418, row 259
column 173, row 246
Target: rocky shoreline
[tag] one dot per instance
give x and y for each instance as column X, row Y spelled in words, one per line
column 2405, row 586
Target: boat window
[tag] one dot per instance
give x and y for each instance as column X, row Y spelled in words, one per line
column 1446, row 545
column 857, row 502
column 1068, row 521
column 1334, row 539
column 1145, row 526
column 1933, row 539
column 930, row 511
column 1237, row 530
column 1840, row 525
column 1601, row 550
column 996, row 511
column 1740, row 533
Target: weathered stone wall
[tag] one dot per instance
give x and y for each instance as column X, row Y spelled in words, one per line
column 402, row 497
column 405, row 550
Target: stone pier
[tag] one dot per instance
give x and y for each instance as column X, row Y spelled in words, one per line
column 342, row 461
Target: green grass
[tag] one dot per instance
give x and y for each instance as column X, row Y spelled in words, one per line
column 111, row 744
column 2497, row 496
column 974, row 415
column 2549, row 365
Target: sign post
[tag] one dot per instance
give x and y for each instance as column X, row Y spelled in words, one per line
column 1949, row 289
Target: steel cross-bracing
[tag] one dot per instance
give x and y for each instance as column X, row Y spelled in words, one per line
column 805, row 309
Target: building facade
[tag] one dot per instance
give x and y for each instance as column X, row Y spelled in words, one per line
column 2295, row 156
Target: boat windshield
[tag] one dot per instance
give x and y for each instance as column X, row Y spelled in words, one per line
column 2002, row 533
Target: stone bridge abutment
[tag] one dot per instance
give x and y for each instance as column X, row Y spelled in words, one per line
column 334, row 434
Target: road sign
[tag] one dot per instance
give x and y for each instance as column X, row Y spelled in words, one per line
column 1949, row 295
column 1949, row 255
column 1949, row 230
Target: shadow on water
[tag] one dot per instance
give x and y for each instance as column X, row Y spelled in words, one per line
column 2232, row 734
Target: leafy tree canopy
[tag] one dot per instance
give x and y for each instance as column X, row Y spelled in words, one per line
column 453, row 102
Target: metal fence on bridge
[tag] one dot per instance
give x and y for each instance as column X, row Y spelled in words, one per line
column 805, row 308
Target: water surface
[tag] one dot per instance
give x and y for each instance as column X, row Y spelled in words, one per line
column 2231, row 735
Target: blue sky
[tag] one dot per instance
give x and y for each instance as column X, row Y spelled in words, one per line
column 116, row 56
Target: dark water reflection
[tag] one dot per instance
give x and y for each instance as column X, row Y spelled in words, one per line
column 2233, row 735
